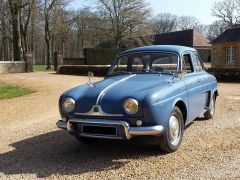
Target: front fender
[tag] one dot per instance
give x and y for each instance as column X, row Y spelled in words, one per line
column 158, row 106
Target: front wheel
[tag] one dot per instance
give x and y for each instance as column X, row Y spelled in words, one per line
column 211, row 110
column 171, row 139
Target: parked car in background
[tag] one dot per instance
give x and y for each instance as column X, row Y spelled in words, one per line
column 149, row 91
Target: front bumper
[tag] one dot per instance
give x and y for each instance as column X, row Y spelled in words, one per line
column 126, row 131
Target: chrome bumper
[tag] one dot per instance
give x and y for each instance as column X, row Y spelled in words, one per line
column 129, row 131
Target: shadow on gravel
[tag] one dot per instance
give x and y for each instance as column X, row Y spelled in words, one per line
column 59, row 153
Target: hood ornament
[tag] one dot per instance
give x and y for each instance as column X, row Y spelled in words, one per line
column 90, row 83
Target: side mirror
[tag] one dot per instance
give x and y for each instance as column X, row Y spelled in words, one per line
column 90, row 74
column 179, row 74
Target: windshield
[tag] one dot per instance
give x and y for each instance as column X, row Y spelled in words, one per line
column 166, row 63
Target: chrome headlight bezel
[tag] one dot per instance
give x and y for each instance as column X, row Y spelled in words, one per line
column 68, row 105
column 127, row 108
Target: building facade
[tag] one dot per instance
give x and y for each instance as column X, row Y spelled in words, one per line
column 226, row 49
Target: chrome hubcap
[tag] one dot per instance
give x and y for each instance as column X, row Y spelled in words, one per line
column 174, row 131
column 212, row 107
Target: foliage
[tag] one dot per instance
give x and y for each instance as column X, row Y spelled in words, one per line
column 8, row 91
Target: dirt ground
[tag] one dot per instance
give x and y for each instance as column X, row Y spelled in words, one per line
column 32, row 147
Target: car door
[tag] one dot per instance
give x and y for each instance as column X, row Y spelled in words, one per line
column 193, row 81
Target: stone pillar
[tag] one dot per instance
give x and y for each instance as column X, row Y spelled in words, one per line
column 29, row 62
column 57, row 60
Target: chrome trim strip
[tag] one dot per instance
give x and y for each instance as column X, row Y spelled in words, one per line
column 110, row 86
column 141, row 131
column 129, row 131
column 99, row 113
column 100, row 137
column 61, row 124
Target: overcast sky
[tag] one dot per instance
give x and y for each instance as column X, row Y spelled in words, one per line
column 201, row 9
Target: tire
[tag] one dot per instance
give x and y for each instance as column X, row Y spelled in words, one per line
column 211, row 110
column 171, row 138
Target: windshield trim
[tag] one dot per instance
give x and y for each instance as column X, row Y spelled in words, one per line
column 143, row 52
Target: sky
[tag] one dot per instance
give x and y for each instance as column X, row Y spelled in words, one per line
column 201, row 9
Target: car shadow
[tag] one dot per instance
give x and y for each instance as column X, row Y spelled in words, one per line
column 59, row 153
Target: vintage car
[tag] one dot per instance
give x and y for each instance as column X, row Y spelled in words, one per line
column 149, row 91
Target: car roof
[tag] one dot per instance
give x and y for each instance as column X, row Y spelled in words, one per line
column 167, row 48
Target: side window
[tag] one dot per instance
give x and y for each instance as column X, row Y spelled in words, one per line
column 187, row 64
column 197, row 62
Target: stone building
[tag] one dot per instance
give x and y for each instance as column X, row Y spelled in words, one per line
column 226, row 49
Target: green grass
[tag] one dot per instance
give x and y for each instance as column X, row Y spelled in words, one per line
column 9, row 91
column 39, row 68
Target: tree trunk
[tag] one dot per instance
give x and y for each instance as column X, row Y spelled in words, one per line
column 47, row 40
column 14, row 8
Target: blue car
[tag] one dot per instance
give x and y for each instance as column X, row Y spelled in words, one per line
column 149, row 91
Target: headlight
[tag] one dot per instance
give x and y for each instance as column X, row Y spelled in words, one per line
column 130, row 106
column 68, row 105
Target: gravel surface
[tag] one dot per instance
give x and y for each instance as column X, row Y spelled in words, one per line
column 32, row 147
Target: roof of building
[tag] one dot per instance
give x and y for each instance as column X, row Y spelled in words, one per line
column 230, row 35
column 190, row 38
column 164, row 48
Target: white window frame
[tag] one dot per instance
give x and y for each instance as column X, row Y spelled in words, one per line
column 230, row 50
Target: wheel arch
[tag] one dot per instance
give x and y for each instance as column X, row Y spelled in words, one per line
column 182, row 106
column 216, row 94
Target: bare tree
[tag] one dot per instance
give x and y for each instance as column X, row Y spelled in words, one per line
column 164, row 23
column 15, row 6
column 5, row 32
column 124, row 16
column 228, row 11
column 216, row 28
column 25, row 18
column 47, row 7
column 187, row 22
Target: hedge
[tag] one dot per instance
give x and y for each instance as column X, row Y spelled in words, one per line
column 100, row 56
column 98, row 70
column 224, row 75
column 205, row 54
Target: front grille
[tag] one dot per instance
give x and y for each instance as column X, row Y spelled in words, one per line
column 99, row 130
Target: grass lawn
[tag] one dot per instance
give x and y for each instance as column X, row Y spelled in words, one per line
column 9, row 91
column 39, row 68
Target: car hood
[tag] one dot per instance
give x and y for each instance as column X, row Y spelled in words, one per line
column 111, row 92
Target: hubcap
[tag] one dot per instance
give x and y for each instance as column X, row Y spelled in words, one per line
column 174, row 131
column 212, row 108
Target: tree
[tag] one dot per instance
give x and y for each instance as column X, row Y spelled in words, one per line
column 14, row 6
column 187, row 22
column 228, row 11
column 25, row 18
column 164, row 23
column 125, row 17
column 216, row 28
column 5, row 32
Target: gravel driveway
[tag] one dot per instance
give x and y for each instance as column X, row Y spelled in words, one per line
column 32, row 147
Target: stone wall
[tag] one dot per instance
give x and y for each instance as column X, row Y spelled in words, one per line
column 219, row 55
column 12, row 66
